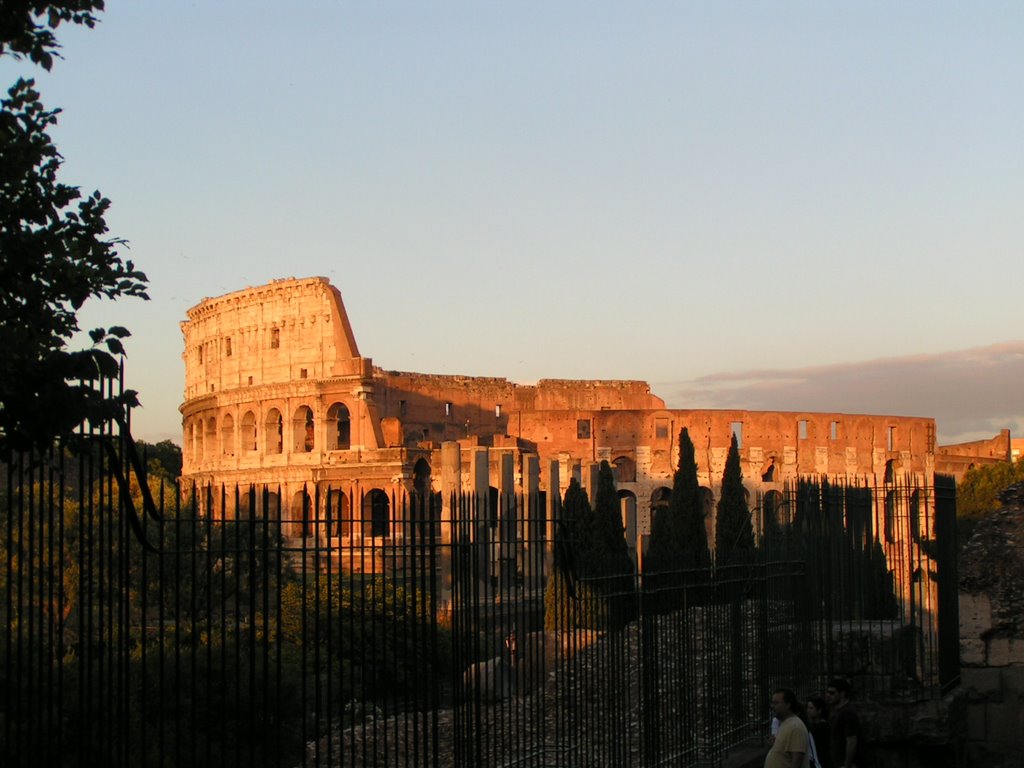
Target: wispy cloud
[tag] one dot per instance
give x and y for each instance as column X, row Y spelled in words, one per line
column 972, row 393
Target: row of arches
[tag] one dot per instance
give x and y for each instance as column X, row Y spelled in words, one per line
column 206, row 439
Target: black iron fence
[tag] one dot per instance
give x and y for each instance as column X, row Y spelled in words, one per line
column 143, row 628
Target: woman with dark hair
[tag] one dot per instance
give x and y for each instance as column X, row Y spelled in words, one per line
column 818, row 727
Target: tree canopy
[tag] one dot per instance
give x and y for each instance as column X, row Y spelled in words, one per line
column 27, row 26
column 734, row 533
column 55, row 254
column 678, row 537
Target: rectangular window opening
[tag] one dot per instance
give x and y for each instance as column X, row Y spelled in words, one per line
column 448, row 409
column 250, row 381
column 834, row 431
column 303, row 373
column 497, row 411
column 890, row 440
column 275, row 338
column 661, row 429
column 401, row 407
column 802, row 429
column 227, row 347
column 582, row 429
column 200, row 354
column 737, row 431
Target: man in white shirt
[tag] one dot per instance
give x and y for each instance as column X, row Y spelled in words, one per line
column 789, row 750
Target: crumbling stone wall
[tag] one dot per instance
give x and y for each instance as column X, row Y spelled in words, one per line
column 992, row 635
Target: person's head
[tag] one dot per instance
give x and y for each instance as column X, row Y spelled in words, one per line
column 838, row 691
column 816, row 708
column 784, row 703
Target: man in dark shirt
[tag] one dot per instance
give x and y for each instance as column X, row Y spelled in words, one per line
column 846, row 740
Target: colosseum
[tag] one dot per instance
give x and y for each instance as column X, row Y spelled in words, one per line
column 278, row 396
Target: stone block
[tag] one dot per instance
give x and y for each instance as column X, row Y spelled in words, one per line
column 1006, row 724
column 1012, row 679
column 976, row 722
column 1003, row 651
column 975, row 615
column 972, row 652
column 982, row 683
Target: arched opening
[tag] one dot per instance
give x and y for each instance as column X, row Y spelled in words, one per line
column 376, row 514
column 890, row 471
column 274, row 432
column 210, row 438
column 248, row 432
column 889, row 528
column 302, row 513
column 624, row 469
column 915, row 517
column 272, row 508
column 768, row 471
column 302, row 430
column 659, row 501
column 774, row 509
column 338, row 511
column 339, row 427
column 422, row 513
column 227, row 435
column 197, row 440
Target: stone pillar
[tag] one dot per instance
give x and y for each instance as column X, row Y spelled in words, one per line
column 552, row 502
column 451, row 487
column 508, row 539
column 590, row 474
column 479, row 477
column 532, row 522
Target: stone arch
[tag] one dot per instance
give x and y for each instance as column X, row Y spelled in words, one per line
column 303, row 437
column 422, row 506
column 273, row 432
column 773, row 504
column 302, row 513
column 227, row 435
column 210, row 438
column 890, row 471
column 376, row 514
column 660, row 497
column 196, row 439
column 272, row 507
column 915, row 517
column 889, row 520
column 339, row 426
column 248, row 432
column 768, row 471
column 625, row 469
column 339, row 514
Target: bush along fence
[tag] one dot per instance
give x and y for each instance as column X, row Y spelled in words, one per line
column 142, row 626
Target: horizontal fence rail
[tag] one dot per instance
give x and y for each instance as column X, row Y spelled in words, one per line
column 238, row 626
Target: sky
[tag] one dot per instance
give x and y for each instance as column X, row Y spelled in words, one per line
column 787, row 205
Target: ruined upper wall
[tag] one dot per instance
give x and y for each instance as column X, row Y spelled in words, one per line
column 956, row 459
column 284, row 331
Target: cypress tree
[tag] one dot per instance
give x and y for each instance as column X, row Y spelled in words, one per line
column 734, row 534
column 678, row 537
column 613, row 557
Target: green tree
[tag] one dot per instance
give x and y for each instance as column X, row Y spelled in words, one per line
column 734, row 534
column 584, row 565
column 977, row 495
column 54, row 255
column 678, row 537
